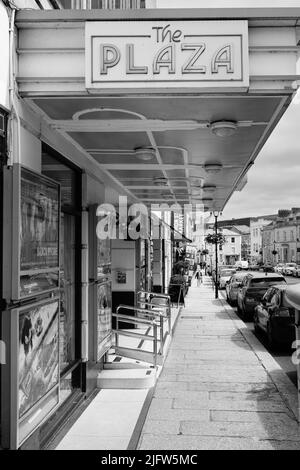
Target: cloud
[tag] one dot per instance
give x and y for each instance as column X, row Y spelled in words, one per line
column 274, row 180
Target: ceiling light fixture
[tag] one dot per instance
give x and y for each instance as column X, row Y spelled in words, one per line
column 145, row 153
column 209, row 188
column 160, row 181
column 223, row 128
column 213, row 167
column 207, row 200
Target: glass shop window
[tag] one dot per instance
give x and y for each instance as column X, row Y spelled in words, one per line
column 67, row 291
column 54, row 167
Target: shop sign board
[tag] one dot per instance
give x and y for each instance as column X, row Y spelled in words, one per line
column 172, row 54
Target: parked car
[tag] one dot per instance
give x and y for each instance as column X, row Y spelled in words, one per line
column 266, row 268
column 232, row 286
column 296, row 272
column 252, row 290
column 275, row 317
column 295, row 269
column 224, row 276
column 243, row 264
column 288, row 269
column 253, row 267
column 279, row 268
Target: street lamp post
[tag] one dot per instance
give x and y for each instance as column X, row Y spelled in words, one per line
column 274, row 252
column 216, row 213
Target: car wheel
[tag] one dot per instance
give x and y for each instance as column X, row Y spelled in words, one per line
column 271, row 342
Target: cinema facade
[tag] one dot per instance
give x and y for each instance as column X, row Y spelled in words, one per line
column 155, row 106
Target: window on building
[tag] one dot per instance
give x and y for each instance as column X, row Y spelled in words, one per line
column 284, row 236
column 292, row 235
column 232, row 240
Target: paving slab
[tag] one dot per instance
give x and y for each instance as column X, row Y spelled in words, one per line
column 219, row 388
column 158, row 442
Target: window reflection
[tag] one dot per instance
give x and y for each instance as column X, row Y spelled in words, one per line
column 67, row 291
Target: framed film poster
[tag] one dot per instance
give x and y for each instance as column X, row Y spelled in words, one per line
column 35, row 238
column 33, row 334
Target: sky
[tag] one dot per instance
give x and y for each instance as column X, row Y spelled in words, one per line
column 274, row 179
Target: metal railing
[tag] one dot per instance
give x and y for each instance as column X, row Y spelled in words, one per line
column 155, row 322
column 181, row 293
column 156, row 302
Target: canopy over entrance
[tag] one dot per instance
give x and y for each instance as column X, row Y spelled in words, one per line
column 173, row 105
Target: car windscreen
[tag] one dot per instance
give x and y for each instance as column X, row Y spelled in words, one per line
column 266, row 282
column 226, row 272
column 238, row 278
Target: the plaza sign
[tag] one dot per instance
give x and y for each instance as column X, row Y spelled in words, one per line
column 143, row 54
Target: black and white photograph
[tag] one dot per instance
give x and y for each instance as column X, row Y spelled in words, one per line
column 149, row 229
column 38, row 354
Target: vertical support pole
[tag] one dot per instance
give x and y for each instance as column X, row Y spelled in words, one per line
column 216, row 255
column 117, row 330
column 161, row 324
column 155, row 343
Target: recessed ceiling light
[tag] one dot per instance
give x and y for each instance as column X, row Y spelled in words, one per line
column 213, row 167
column 209, row 188
column 223, row 128
column 145, row 153
column 160, row 181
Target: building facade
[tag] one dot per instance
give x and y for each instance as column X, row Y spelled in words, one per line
column 282, row 236
column 90, row 132
column 256, row 227
column 228, row 253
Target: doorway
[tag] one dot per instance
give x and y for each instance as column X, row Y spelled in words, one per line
column 69, row 177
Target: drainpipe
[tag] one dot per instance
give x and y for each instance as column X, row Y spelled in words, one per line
column 14, row 112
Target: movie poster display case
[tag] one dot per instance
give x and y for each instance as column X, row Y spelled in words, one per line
column 30, row 324
column 100, row 291
column 35, row 209
column 30, row 385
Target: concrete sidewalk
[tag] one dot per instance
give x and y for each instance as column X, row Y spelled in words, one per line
column 219, row 388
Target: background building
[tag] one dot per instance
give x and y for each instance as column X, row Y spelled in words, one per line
column 283, row 236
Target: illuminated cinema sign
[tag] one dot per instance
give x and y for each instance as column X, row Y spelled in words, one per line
column 160, row 54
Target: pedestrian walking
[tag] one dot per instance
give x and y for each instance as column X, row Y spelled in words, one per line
column 198, row 276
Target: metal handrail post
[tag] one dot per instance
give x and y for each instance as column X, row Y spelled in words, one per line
column 179, row 296
column 161, row 324
column 117, row 333
column 155, row 344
